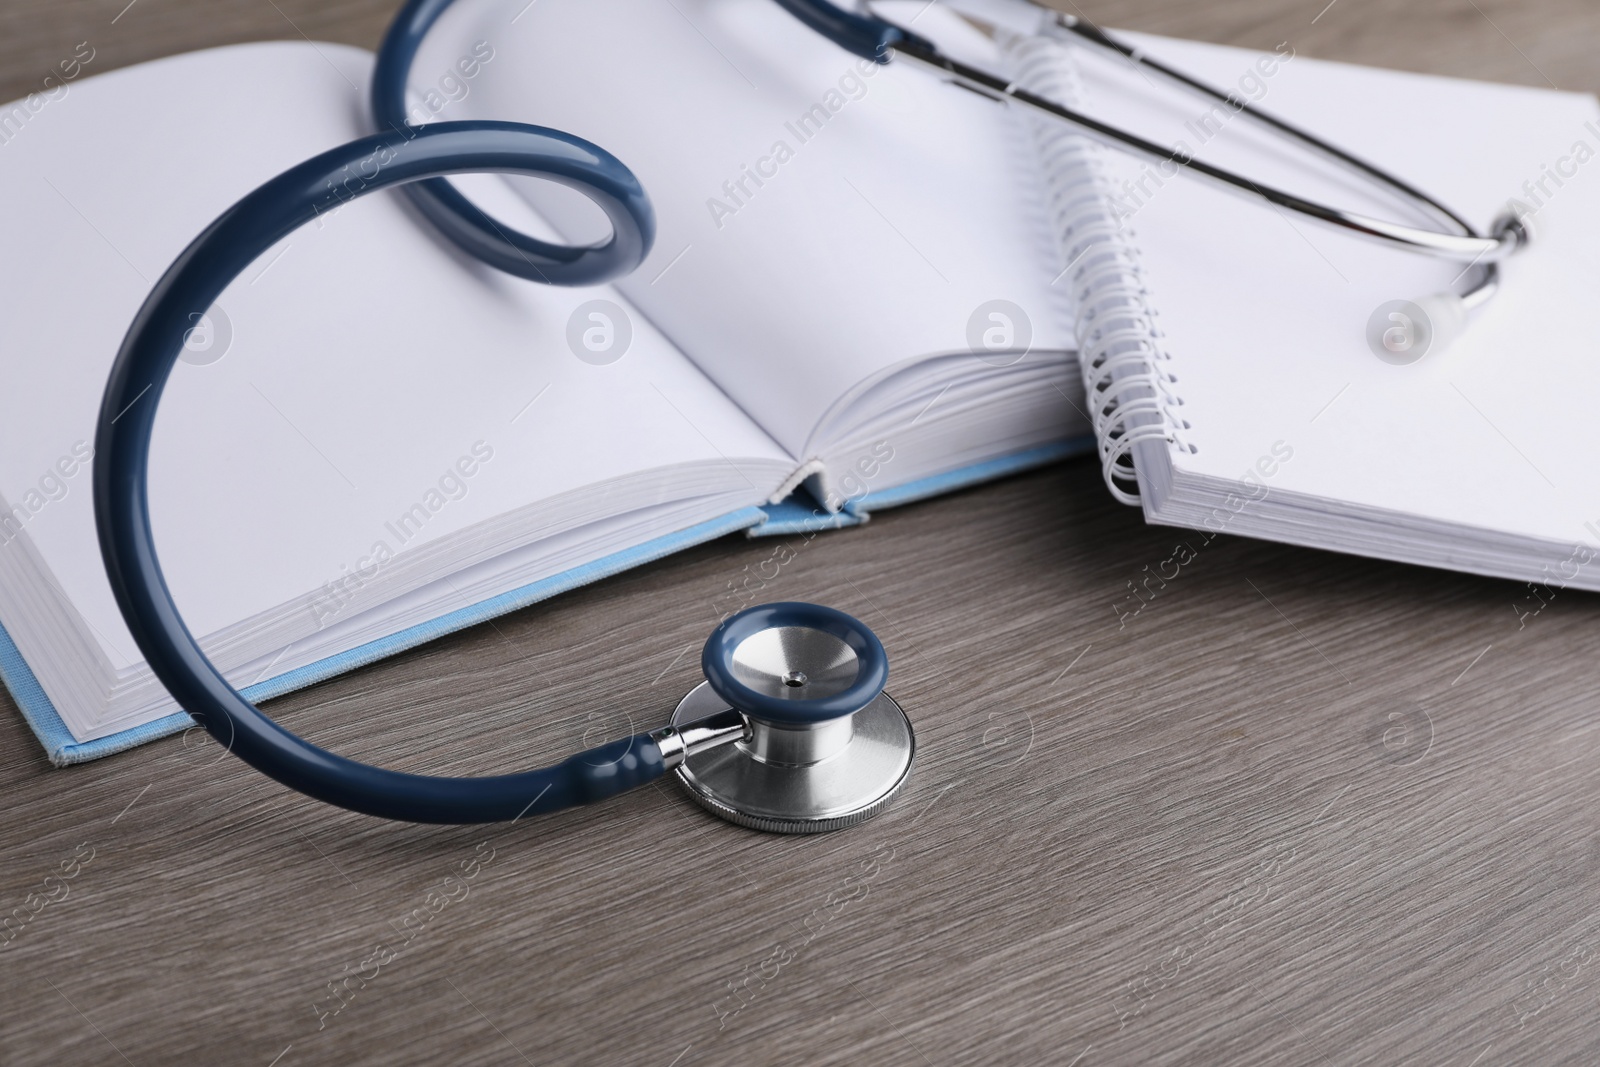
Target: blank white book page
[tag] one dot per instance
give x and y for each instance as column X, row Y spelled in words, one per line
column 820, row 219
column 364, row 358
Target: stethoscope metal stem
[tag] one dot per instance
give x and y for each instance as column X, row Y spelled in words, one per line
column 769, row 742
column 678, row 743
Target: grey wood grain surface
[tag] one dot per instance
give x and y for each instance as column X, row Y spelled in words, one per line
column 1300, row 809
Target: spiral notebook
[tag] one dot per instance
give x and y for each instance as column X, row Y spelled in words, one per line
column 1223, row 342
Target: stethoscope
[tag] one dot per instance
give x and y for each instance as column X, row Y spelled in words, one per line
column 791, row 731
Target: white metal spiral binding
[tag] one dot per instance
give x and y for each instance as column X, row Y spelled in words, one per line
column 1128, row 387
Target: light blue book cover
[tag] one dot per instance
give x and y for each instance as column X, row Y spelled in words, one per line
column 798, row 514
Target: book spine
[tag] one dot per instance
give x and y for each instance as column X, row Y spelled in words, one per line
column 1127, row 383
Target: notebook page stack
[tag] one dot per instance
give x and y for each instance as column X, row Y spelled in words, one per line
column 1228, row 341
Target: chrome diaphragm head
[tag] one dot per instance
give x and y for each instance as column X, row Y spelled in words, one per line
column 825, row 747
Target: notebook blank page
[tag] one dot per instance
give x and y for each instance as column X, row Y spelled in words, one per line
column 889, row 216
column 1265, row 313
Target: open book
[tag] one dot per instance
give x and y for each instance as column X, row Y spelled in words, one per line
column 372, row 440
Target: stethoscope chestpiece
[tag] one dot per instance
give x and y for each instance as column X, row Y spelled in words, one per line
column 823, row 746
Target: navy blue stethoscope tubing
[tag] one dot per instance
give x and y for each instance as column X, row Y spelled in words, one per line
column 501, row 246
column 127, row 418
column 415, row 158
column 472, row 229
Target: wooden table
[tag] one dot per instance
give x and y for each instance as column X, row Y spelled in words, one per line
column 1301, row 809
